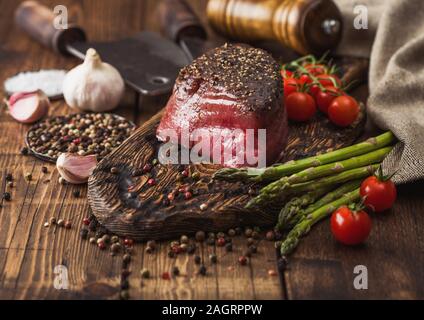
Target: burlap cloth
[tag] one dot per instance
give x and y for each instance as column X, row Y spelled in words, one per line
column 394, row 42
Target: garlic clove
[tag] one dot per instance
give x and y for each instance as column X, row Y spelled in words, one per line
column 28, row 107
column 74, row 168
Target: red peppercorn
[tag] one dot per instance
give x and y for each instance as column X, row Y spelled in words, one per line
column 128, row 242
column 101, row 245
column 242, row 260
column 166, row 276
column 188, row 195
column 171, row 196
column 185, row 173
column 68, row 224
column 147, row 168
column 86, row 221
column 151, row 182
column 77, row 141
column 220, row 242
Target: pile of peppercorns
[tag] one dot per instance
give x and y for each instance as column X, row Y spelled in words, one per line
column 82, row 133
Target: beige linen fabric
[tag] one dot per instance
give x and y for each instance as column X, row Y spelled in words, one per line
column 395, row 44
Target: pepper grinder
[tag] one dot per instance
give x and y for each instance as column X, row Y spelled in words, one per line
column 306, row 26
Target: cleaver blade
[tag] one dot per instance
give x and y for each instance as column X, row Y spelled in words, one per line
column 148, row 62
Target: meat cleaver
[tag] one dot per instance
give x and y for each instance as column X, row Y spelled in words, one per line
column 148, row 62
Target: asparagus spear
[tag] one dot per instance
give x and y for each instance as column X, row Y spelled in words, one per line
column 303, row 227
column 278, row 171
column 296, row 205
column 329, row 169
column 288, row 221
column 275, row 191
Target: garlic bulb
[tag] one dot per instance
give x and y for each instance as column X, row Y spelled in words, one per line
column 74, row 168
column 93, row 85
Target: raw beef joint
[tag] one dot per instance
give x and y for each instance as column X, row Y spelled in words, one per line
column 222, row 94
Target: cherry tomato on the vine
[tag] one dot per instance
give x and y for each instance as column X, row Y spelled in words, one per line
column 325, row 97
column 379, row 194
column 290, row 86
column 350, row 227
column 304, row 79
column 300, row 106
column 329, row 80
column 315, row 69
column 314, row 89
column 343, row 111
column 286, row 73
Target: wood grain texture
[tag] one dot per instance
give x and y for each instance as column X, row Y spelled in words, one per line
column 29, row 252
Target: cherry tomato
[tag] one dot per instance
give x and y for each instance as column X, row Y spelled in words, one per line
column 304, row 79
column 315, row 69
column 350, row 227
column 379, row 194
column 290, row 86
column 343, row 111
column 325, row 98
column 314, row 89
column 300, row 106
column 286, row 73
column 329, row 80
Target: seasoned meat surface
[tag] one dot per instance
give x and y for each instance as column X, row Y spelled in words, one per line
column 225, row 92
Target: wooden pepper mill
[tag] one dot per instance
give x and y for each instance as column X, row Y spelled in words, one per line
column 307, row 26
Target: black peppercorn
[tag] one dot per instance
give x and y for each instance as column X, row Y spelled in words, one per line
column 213, row 258
column 9, row 177
column 197, row 259
column 44, row 169
column 24, row 151
column 202, row 270
column 7, row 196
column 76, row 193
column 171, row 254
column 175, row 271
column 200, row 236
column 229, row 247
column 145, row 273
column 191, row 248
column 253, row 249
column 84, row 233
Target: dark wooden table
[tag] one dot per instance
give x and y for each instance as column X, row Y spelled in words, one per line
column 319, row 269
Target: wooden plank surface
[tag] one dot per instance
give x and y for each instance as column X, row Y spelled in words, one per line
column 29, row 252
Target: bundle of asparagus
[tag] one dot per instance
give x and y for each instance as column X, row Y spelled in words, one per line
column 317, row 185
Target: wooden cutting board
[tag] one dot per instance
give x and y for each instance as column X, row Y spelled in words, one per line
column 126, row 205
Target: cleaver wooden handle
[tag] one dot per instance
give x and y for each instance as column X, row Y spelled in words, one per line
column 38, row 21
column 177, row 20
